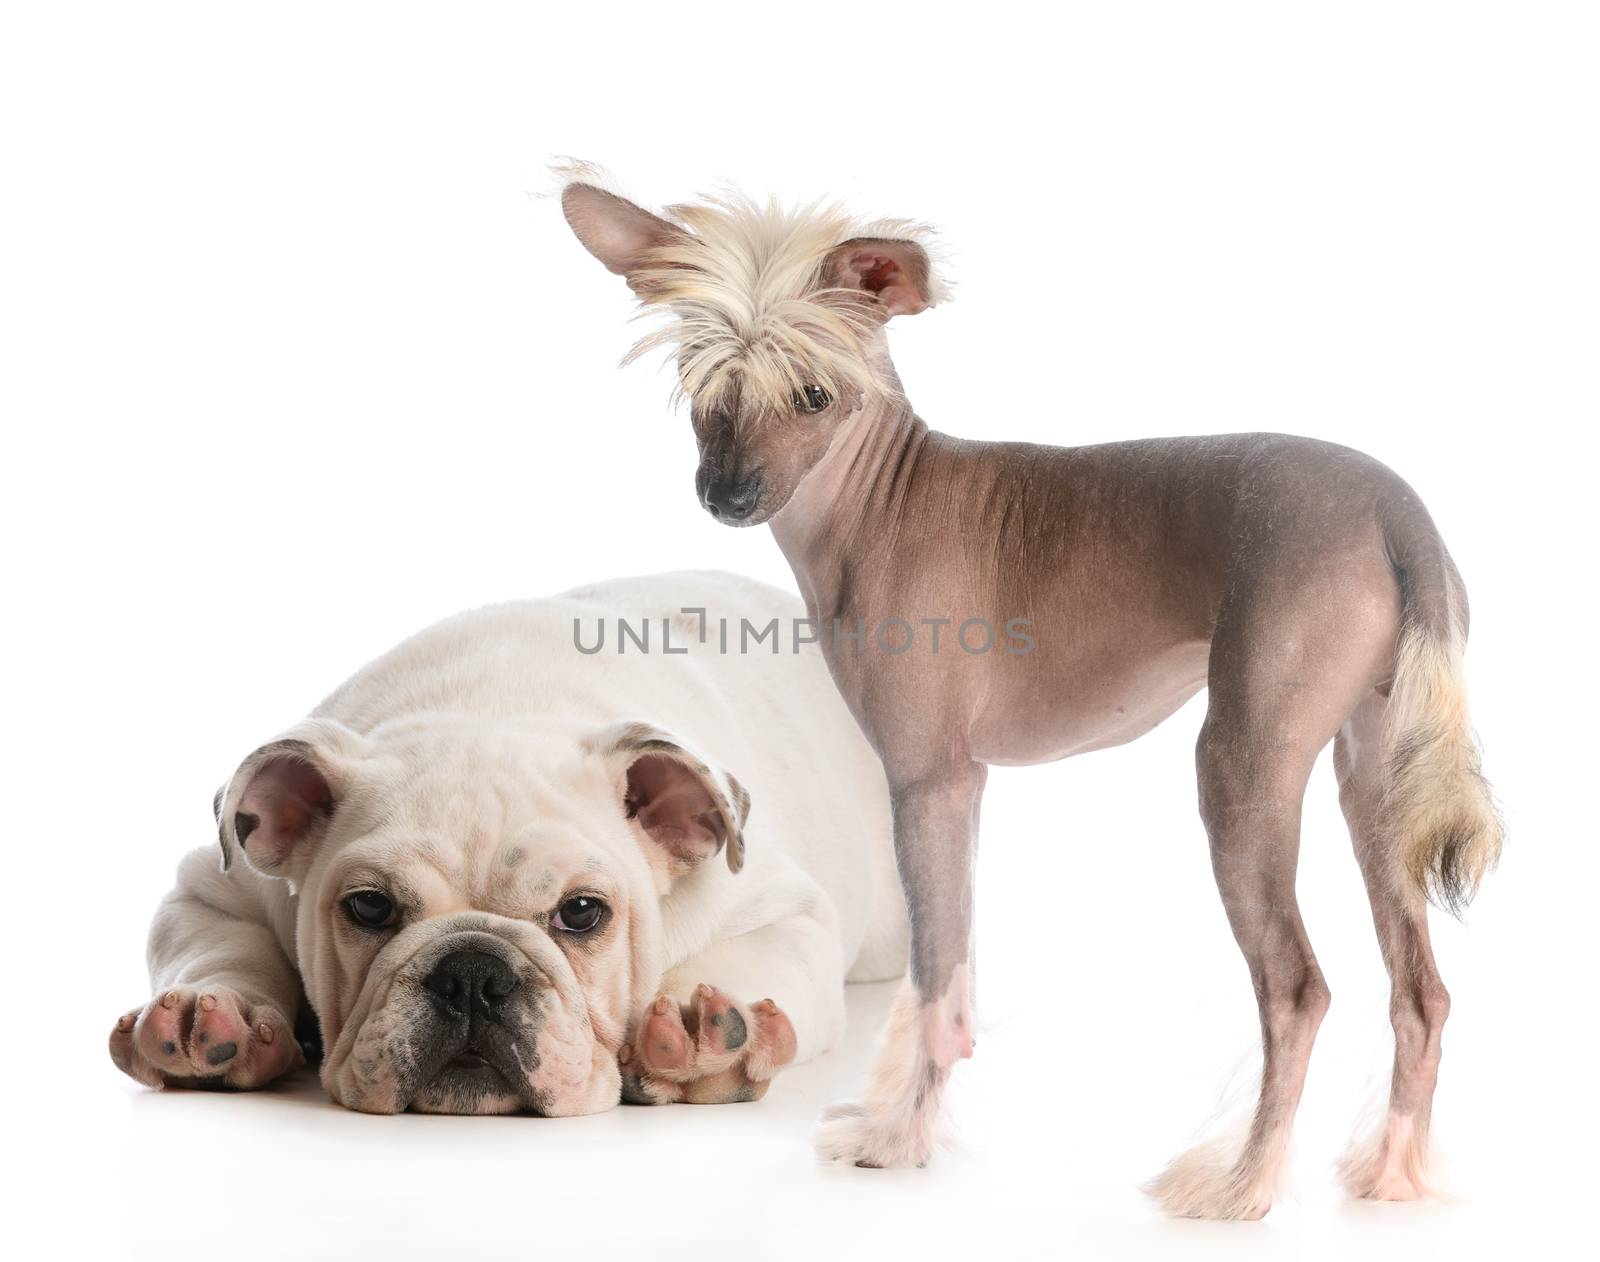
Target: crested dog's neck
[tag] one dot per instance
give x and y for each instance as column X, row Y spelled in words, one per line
column 861, row 490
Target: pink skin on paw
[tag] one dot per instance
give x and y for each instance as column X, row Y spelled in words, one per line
column 711, row 1050
column 894, row 1124
column 776, row 1043
column 1393, row 1167
column 211, row 1035
column 947, row 1022
column 664, row 1043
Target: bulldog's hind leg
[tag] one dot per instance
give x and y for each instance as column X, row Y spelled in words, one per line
column 931, row 1025
column 1290, row 660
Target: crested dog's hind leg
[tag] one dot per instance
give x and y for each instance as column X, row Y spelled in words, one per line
column 1392, row 1163
column 1284, row 676
column 930, row 1027
column 1252, row 812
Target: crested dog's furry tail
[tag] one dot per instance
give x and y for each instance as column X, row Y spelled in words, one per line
column 1446, row 829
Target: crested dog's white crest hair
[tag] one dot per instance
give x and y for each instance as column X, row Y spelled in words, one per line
column 752, row 310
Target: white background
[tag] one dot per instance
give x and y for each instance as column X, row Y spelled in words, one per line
column 293, row 364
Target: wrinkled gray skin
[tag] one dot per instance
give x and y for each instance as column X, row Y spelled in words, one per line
column 1274, row 570
column 1260, row 565
column 1256, row 564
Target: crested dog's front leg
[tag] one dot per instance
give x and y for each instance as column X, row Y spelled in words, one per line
column 930, row 1028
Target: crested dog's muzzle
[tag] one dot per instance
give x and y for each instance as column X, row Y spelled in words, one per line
column 730, row 497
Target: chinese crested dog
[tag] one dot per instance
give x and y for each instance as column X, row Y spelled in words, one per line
column 1304, row 584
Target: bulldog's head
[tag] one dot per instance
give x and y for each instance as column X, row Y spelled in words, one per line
column 478, row 916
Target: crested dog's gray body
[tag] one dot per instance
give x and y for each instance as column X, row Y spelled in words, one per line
column 1302, row 582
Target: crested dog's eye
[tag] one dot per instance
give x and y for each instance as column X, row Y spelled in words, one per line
column 371, row 909
column 811, row 399
column 582, row 914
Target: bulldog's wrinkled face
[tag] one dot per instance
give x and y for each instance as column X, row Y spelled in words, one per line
column 478, row 918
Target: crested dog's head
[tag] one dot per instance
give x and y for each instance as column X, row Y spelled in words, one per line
column 775, row 315
column 478, row 911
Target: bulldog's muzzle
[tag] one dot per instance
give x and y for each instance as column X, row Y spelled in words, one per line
column 473, row 985
column 476, row 1026
column 457, row 1029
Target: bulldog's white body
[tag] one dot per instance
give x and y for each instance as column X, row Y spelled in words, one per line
column 818, row 871
column 820, row 806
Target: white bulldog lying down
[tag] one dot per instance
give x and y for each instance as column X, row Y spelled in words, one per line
column 489, row 862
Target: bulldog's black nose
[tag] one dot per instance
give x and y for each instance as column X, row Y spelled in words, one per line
column 472, row 983
column 732, row 499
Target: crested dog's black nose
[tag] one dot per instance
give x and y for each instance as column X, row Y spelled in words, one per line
column 472, row 984
column 732, row 499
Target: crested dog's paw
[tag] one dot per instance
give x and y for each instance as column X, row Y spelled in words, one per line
column 895, row 1124
column 710, row 1050
column 1393, row 1165
column 206, row 1036
column 875, row 1138
column 1209, row 1181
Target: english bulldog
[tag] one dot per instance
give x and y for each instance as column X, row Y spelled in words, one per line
column 508, row 871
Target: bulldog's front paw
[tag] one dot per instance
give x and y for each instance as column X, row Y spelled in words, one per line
column 710, row 1050
column 208, row 1036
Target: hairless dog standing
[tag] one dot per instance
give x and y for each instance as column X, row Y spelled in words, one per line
column 1303, row 583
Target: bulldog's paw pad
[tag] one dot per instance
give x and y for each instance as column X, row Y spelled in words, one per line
column 664, row 1041
column 711, row 1050
column 204, row 1037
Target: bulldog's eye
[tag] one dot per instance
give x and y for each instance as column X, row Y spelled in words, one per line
column 371, row 909
column 580, row 915
column 811, row 399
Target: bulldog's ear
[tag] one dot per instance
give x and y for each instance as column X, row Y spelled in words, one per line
column 681, row 801
column 276, row 808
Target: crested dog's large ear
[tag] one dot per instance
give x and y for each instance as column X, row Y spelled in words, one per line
column 680, row 801
column 277, row 807
column 895, row 277
column 621, row 235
